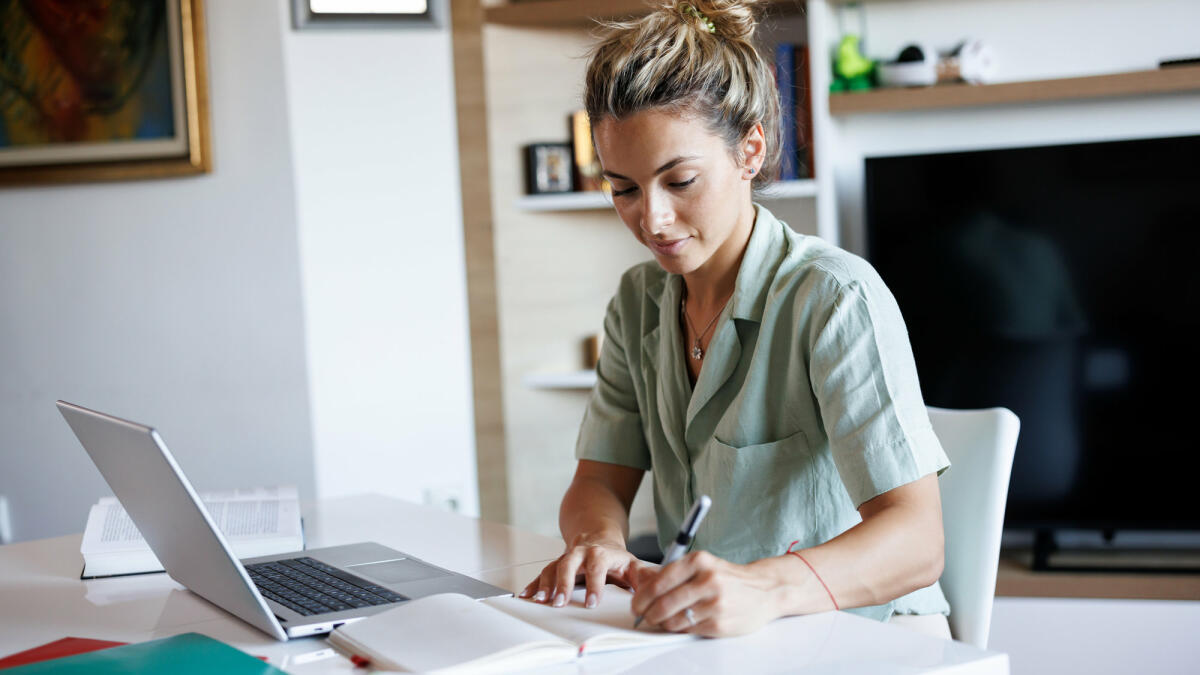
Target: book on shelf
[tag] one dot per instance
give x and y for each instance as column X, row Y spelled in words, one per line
column 255, row 522
column 451, row 633
column 805, row 168
column 587, row 164
column 785, row 82
column 793, row 78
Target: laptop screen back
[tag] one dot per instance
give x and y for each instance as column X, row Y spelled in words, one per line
column 150, row 486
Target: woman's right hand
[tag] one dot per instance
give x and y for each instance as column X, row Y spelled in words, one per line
column 598, row 562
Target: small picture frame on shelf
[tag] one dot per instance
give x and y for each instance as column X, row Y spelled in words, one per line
column 549, row 168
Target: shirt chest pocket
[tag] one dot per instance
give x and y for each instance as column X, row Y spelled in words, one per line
column 757, row 491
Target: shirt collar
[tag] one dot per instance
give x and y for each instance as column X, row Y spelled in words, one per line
column 758, row 265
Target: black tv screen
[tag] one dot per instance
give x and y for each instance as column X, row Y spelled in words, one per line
column 1064, row 284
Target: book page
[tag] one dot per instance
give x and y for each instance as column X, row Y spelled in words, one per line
column 238, row 514
column 255, row 522
column 607, row 626
column 450, row 632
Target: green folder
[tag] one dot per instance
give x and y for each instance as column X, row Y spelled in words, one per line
column 181, row 654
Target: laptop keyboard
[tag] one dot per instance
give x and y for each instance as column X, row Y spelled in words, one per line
column 309, row 587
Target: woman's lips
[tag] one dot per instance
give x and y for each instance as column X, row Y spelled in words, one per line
column 667, row 248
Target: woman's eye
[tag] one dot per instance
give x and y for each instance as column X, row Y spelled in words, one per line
column 630, row 190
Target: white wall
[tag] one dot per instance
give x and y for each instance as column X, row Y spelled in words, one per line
column 174, row 302
column 374, row 141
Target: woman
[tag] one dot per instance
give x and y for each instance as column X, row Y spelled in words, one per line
column 769, row 370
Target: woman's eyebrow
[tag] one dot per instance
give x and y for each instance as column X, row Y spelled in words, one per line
column 664, row 167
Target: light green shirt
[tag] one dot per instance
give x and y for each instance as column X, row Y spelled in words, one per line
column 807, row 405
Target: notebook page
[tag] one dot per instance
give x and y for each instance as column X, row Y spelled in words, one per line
column 607, row 626
column 449, row 631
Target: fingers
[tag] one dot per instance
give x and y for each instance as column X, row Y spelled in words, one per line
column 595, row 564
column 666, row 593
column 634, row 572
column 564, row 578
column 533, row 586
column 540, row 587
column 699, row 618
column 595, row 574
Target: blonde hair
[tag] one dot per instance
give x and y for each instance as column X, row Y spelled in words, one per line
column 696, row 58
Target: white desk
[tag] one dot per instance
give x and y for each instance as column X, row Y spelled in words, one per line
column 42, row 599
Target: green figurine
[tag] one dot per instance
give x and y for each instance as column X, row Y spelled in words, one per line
column 851, row 70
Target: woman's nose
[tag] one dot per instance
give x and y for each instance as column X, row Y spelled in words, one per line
column 657, row 214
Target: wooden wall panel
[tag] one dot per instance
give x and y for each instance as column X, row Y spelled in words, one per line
column 466, row 18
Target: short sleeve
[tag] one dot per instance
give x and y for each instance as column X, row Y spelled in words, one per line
column 612, row 424
column 865, row 381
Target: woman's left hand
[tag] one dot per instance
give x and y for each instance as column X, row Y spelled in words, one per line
column 706, row 595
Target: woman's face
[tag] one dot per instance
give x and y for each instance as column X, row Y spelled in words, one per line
column 677, row 187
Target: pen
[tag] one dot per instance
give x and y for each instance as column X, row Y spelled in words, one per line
column 686, row 532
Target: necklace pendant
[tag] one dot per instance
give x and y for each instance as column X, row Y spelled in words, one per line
column 697, row 353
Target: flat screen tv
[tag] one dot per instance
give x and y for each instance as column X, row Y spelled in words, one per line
column 1064, row 284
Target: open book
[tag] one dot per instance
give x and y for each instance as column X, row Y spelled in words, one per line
column 451, row 633
column 262, row 521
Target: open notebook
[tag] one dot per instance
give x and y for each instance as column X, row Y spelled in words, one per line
column 451, row 633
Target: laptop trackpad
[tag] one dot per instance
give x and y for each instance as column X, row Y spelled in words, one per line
column 397, row 571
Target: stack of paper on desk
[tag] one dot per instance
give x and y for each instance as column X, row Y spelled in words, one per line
column 451, row 633
column 262, row 521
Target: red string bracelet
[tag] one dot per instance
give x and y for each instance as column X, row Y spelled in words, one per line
column 814, row 571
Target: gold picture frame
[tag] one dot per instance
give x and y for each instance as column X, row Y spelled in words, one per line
column 181, row 54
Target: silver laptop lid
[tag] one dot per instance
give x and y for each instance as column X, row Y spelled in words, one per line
column 145, row 478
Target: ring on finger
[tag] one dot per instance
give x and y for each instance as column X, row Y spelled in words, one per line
column 691, row 617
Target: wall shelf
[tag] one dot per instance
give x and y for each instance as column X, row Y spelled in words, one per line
column 598, row 201
column 566, row 201
column 790, row 189
column 1161, row 81
column 581, row 379
column 563, row 13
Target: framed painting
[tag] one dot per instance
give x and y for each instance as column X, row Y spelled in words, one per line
column 102, row 90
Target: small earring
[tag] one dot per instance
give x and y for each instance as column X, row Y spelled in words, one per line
column 751, row 171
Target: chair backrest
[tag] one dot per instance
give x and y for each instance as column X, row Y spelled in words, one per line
column 980, row 445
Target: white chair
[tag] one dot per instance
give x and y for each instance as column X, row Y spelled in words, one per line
column 980, row 445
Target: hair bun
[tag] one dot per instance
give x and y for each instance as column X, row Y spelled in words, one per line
column 733, row 19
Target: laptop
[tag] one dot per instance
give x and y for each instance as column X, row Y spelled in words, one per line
column 286, row 596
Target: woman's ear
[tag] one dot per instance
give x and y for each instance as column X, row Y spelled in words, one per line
column 754, row 151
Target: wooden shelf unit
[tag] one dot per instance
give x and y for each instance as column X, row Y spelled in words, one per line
column 1173, row 79
column 516, row 63
column 563, row 13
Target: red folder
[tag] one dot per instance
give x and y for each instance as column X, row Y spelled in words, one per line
column 52, row 650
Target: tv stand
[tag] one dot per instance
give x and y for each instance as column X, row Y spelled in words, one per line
column 1043, row 546
column 1047, row 555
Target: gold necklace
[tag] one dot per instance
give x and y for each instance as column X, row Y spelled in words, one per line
column 697, row 352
